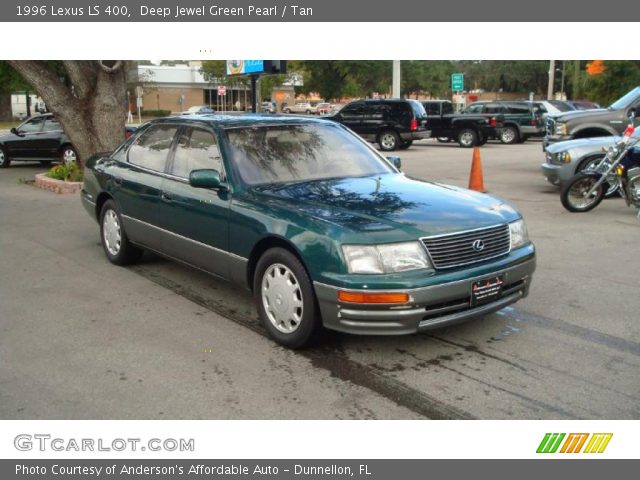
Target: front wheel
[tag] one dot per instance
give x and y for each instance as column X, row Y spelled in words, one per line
column 591, row 164
column 574, row 193
column 285, row 299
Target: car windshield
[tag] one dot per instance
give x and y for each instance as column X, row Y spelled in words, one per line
column 626, row 100
column 562, row 106
column 297, row 153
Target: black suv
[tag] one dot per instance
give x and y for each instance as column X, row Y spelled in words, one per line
column 521, row 119
column 39, row 138
column 393, row 124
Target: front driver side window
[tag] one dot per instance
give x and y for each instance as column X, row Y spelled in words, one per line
column 31, row 126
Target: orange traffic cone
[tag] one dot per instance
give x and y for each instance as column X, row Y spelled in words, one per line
column 475, row 179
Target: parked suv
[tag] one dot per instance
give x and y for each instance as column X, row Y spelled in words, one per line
column 392, row 124
column 521, row 119
column 300, row 107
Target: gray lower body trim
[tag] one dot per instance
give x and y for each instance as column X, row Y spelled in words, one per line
column 212, row 260
column 430, row 307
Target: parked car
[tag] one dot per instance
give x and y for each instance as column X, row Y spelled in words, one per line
column 393, row 124
column 553, row 107
column 267, row 107
column 323, row 108
column 39, row 138
column 199, row 109
column 584, row 105
column 468, row 130
column 300, row 107
column 604, row 122
column 564, row 159
column 521, row 120
column 319, row 226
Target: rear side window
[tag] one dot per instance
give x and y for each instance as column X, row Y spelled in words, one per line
column 493, row 108
column 477, row 108
column 353, row 110
column 519, row 109
column 447, row 108
column 197, row 149
column 52, row 125
column 418, row 109
column 432, row 108
column 151, row 149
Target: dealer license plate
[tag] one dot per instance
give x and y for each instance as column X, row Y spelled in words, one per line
column 486, row 290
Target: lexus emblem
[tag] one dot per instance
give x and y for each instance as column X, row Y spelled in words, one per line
column 478, row 245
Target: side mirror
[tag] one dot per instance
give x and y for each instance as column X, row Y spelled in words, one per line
column 15, row 131
column 207, row 178
column 395, row 161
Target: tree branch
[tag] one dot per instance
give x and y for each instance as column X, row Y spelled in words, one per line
column 82, row 76
column 46, row 83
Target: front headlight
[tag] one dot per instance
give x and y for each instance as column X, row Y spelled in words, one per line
column 519, row 234
column 561, row 129
column 385, row 258
column 562, row 157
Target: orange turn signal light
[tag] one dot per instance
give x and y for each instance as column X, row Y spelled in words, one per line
column 363, row 297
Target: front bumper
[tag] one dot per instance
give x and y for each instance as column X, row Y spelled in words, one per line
column 430, row 307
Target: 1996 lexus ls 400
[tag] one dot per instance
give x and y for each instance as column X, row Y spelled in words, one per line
column 323, row 229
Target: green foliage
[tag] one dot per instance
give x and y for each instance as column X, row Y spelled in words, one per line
column 10, row 80
column 155, row 113
column 619, row 77
column 69, row 172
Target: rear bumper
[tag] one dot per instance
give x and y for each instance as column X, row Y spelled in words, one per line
column 430, row 307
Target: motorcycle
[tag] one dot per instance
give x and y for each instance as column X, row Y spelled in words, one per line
column 620, row 166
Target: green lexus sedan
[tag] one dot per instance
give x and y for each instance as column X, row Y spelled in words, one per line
column 322, row 229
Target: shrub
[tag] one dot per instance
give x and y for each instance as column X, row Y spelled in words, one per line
column 68, row 172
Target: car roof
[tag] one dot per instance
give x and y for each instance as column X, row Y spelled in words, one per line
column 243, row 120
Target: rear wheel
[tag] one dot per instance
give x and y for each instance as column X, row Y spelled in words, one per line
column 388, row 140
column 4, row 159
column 509, row 135
column 285, row 299
column 467, row 138
column 574, row 193
column 443, row 139
column 115, row 243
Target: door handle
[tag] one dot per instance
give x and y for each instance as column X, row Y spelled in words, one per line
column 166, row 197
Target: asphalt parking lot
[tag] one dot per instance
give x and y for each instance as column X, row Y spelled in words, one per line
column 80, row 338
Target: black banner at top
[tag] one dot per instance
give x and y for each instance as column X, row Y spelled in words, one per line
column 318, row 11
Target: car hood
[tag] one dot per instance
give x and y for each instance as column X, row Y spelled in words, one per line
column 389, row 203
column 579, row 114
column 594, row 143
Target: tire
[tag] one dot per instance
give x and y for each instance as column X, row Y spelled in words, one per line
column 45, row 163
column 114, row 240
column 572, row 192
column 308, row 112
column 280, row 275
column 5, row 161
column 612, row 191
column 68, row 155
column 443, row 139
column 405, row 144
column 388, row 141
column 467, row 138
column 509, row 135
column 286, row 110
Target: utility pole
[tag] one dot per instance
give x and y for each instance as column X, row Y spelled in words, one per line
column 552, row 73
column 395, row 93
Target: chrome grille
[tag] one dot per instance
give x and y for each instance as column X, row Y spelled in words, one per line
column 457, row 249
column 551, row 126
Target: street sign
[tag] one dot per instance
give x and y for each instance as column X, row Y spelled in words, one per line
column 222, row 90
column 139, row 91
column 457, row 82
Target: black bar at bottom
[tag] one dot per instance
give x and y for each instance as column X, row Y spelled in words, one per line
column 538, row 469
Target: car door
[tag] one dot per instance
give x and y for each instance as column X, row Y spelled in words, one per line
column 196, row 219
column 25, row 142
column 373, row 119
column 51, row 139
column 136, row 183
column 351, row 116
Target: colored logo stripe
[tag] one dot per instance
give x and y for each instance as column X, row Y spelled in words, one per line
column 596, row 443
column 550, row 443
